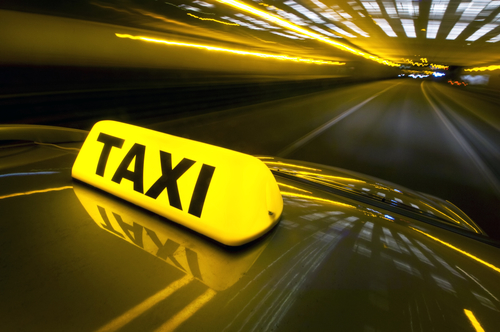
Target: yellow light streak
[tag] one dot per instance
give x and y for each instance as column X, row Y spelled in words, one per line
column 456, row 207
column 456, row 221
column 442, row 213
column 331, row 177
column 279, row 163
column 142, row 307
column 36, row 192
column 488, row 68
column 491, row 266
column 286, row 193
column 57, row 146
column 292, row 187
column 425, row 64
column 475, row 230
column 474, row 321
column 279, row 21
column 436, row 66
column 110, row 7
column 187, row 312
column 212, row 19
column 227, row 50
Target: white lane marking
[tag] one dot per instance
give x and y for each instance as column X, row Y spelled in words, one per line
column 306, row 138
column 480, row 165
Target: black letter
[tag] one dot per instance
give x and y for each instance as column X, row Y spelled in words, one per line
column 109, row 142
column 192, row 258
column 107, row 224
column 136, row 229
column 200, row 190
column 137, row 176
column 168, row 179
column 166, row 250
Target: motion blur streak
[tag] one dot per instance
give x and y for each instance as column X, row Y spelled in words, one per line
column 294, row 166
column 35, row 192
column 285, row 193
column 331, row 177
column 139, row 309
column 288, row 25
column 489, row 68
column 57, row 146
column 212, row 48
column 474, row 321
column 187, row 312
column 292, row 187
column 452, row 219
column 213, row 20
column 491, row 266
column 475, row 230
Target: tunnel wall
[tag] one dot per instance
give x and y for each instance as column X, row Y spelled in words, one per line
column 46, row 52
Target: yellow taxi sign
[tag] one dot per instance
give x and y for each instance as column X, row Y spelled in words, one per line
column 228, row 196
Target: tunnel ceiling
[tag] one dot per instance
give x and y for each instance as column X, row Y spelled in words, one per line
column 441, row 32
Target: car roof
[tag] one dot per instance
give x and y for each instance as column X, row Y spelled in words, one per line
column 77, row 258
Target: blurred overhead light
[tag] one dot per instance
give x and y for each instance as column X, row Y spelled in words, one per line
column 285, row 35
column 340, row 31
column 238, row 22
column 227, row 50
column 407, row 8
column 355, row 28
column 473, row 9
column 457, row 30
column 390, row 9
column 384, row 25
column 432, row 29
column 276, row 20
column 481, row 32
column 372, row 8
column 203, row 4
column 438, row 8
column 304, row 11
column 257, row 22
column 323, row 31
column 409, row 28
column 494, row 39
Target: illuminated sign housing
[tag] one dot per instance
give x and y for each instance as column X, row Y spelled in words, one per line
column 228, row 196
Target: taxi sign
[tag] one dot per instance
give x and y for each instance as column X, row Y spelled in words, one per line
column 228, row 196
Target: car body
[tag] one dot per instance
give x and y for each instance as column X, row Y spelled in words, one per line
column 349, row 253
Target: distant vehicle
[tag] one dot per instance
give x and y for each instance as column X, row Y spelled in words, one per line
column 348, row 252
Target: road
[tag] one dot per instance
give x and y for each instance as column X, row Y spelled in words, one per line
column 436, row 138
column 427, row 136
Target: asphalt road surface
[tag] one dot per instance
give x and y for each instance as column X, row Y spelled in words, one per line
column 439, row 139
